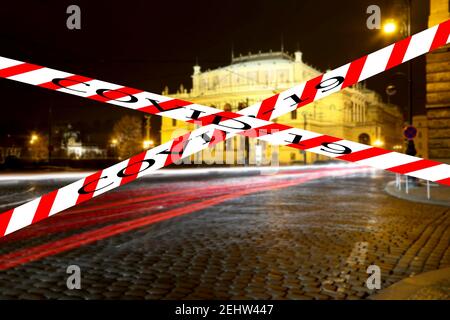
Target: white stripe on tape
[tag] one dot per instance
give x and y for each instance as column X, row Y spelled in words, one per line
column 420, row 43
column 439, row 172
column 387, row 160
column 40, row 76
column 22, row 216
column 376, row 62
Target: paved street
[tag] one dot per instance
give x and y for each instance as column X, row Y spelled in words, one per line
column 300, row 234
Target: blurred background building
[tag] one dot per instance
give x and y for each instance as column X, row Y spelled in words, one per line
column 354, row 113
column 438, row 89
column 421, row 140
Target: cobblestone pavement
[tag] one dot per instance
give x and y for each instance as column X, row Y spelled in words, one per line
column 312, row 240
column 438, row 291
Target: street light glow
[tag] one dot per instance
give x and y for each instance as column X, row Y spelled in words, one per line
column 389, row 27
column 378, row 143
column 148, row 143
column 34, row 138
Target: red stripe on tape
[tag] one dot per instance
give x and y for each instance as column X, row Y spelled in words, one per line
column 354, row 71
column 398, row 53
column 445, row 181
column 19, row 69
column 413, row 166
column 5, row 217
column 363, row 154
column 45, row 204
column 114, row 94
column 441, row 36
column 267, row 106
column 264, row 130
column 165, row 106
column 209, row 119
column 217, row 137
column 177, row 148
column 89, row 186
column 314, row 142
column 309, row 93
column 67, row 82
column 133, row 168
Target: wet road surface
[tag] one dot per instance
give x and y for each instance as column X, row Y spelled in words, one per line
column 307, row 234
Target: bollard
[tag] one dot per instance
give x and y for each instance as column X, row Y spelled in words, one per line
column 428, row 190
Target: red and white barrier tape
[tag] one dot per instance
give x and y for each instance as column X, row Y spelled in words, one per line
column 244, row 122
column 195, row 141
column 270, row 108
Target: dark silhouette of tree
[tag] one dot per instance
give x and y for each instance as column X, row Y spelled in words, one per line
column 128, row 134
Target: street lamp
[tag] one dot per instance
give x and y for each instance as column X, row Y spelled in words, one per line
column 390, row 26
column 378, row 143
column 34, row 137
column 390, row 91
column 113, row 144
column 148, row 144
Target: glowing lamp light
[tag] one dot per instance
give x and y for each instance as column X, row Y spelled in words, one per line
column 34, row 138
column 378, row 143
column 148, row 144
column 389, row 27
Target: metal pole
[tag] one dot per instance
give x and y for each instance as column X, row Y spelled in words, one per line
column 428, row 190
column 49, row 144
column 247, row 142
column 411, row 150
column 410, row 99
column 147, row 127
column 406, row 184
column 304, row 128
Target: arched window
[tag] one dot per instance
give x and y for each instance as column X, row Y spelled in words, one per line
column 364, row 138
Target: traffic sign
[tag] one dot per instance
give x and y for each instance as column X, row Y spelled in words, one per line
column 410, row 132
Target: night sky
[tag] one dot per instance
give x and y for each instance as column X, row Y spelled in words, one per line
column 151, row 44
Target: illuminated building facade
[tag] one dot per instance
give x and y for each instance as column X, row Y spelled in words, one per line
column 421, row 140
column 438, row 89
column 354, row 113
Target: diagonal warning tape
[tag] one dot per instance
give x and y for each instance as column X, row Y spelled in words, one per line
column 215, row 119
column 274, row 106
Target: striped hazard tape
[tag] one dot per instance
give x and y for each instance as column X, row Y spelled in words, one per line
column 218, row 125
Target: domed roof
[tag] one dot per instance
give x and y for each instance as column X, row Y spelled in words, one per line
column 263, row 57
